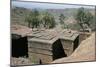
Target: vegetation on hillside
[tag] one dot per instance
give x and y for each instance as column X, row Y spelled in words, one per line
column 62, row 21
column 35, row 20
column 50, row 18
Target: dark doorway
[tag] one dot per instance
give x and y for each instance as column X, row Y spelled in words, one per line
column 57, row 50
column 19, row 46
column 76, row 42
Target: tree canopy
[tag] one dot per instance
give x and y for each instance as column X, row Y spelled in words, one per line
column 48, row 20
column 83, row 18
column 35, row 20
column 61, row 18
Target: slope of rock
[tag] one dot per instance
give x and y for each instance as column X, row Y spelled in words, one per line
column 85, row 52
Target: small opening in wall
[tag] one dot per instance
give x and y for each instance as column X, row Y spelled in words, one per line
column 58, row 51
column 19, row 46
column 76, row 43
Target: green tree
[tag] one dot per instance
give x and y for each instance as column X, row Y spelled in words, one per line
column 88, row 18
column 48, row 20
column 52, row 23
column 33, row 19
column 29, row 19
column 83, row 18
column 36, row 19
column 80, row 17
column 61, row 18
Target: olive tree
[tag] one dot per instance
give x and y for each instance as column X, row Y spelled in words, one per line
column 61, row 18
column 48, row 20
column 33, row 19
column 83, row 18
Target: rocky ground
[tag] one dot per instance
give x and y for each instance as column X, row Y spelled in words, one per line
column 20, row 61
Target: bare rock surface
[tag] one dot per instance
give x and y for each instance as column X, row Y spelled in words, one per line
column 20, row 61
column 85, row 52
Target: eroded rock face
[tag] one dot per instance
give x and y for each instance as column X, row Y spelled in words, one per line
column 85, row 52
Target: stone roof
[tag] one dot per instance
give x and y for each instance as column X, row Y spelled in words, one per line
column 45, row 36
column 69, row 35
column 50, row 36
column 20, row 30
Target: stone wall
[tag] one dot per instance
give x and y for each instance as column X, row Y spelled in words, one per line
column 39, row 51
column 36, row 57
column 68, row 46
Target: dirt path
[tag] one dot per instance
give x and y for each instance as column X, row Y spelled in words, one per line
column 85, row 52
